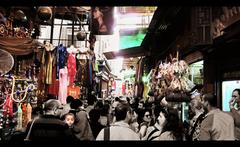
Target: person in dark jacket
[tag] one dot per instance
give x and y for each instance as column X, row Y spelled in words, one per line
column 49, row 127
column 81, row 126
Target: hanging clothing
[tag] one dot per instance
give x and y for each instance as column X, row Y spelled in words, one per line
column 29, row 112
column 71, row 65
column 47, row 62
column 145, row 91
column 82, row 75
column 8, row 107
column 90, row 73
column 61, row 58
column 63, row 84
column 74, row 91
column 19, row 118
column 123, row 88
column 54, row 87
column 24, row 115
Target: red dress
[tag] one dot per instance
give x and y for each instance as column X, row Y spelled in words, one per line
column 71, row 65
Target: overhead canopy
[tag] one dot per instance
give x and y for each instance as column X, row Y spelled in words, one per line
column 167, row 23
column 127, row 53
column 19, row 46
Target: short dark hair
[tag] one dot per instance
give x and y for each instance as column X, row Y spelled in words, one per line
column 158, row 109
column 211, row 99
column 69, row 99
column 94, row 115
column 69, row 114
column 121, row 110
column 76, row 103
column 238, row 90
column 91, row 100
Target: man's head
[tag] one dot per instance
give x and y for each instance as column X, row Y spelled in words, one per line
column 123, row 112
column 76, row 104
column 52, row 107
column 236, row 96
column 141, row 105
column 160, row 114
column 69, row 99
column 196, row 104
column 209, row 101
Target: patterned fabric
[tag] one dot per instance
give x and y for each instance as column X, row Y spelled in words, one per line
column 195, row 125
column 71, row 64
column 61, row 58
column 74, row 91
column 47, row 61
column 82, row 75
column 8, row 107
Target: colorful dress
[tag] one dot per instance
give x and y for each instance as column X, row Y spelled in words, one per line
column 71, row 64
column 61, row 58
column 47, row 61
column 82, row 75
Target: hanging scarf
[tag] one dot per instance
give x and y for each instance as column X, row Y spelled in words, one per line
column 8, row 107
column 29, row 112
column 19, row 118
column 24, row 115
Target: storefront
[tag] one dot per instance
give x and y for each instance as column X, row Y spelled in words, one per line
column 221, row 60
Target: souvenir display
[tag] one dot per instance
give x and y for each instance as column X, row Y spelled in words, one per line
column 171, row 79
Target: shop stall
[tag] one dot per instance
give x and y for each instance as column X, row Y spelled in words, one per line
column 32, row 72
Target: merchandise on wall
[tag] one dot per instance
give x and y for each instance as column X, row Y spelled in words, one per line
column 171, row 80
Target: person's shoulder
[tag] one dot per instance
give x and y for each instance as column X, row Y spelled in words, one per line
column 166, row 136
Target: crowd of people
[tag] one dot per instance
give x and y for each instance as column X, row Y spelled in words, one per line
column 133, row 119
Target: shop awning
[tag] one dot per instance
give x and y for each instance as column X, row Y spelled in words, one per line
column 127, row 53
column 19, row 46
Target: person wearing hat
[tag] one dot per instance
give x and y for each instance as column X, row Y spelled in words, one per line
column 48, row 127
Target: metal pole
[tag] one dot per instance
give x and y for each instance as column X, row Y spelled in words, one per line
column 52, row 26
column 60, row 33
column 73, row 31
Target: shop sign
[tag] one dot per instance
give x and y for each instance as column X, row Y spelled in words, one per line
column 231, row 75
